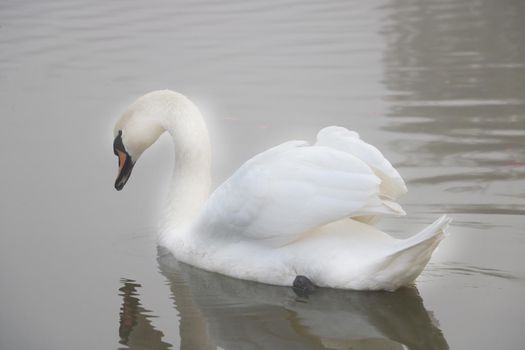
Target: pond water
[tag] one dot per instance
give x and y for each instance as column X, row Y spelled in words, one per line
column 438, row 86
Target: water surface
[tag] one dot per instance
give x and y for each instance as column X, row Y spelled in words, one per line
column 438, row 86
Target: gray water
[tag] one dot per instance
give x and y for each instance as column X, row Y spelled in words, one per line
column 438, row 86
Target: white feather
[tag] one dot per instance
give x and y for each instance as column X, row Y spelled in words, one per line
column 392, row 184
column 290, row 189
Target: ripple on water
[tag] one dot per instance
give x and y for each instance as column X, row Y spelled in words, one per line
column 457, row 268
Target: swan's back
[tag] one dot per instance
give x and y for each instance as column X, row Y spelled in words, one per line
column 281, row 194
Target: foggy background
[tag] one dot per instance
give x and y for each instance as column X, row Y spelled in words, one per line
column 437, row 86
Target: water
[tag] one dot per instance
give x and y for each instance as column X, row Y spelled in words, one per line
column 439, row 86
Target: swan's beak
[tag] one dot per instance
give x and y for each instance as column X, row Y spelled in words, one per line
column 125, row 166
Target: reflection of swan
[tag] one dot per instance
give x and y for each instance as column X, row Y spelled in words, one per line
column 135, row 330
column 286, row 211
column 218, row 311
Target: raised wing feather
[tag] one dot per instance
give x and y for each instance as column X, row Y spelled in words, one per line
column 282, row 193
column 342, row 139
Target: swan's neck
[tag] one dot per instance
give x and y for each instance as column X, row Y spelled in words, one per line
column 190, row 184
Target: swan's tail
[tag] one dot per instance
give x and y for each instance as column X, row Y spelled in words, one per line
column 435, row 231
column 412, row 255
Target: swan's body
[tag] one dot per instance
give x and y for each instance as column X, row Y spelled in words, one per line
column 295, row 209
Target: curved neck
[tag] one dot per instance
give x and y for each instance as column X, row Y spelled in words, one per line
column 191, row 180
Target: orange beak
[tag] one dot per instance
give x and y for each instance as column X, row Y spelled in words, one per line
column 121, row 160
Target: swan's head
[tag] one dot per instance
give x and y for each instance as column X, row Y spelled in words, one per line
column 147, row 118
column 138, row 128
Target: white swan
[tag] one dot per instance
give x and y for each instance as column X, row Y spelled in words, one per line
column 293, row 210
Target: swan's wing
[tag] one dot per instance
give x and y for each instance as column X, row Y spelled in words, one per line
column 282, row 193
column 342, row 139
